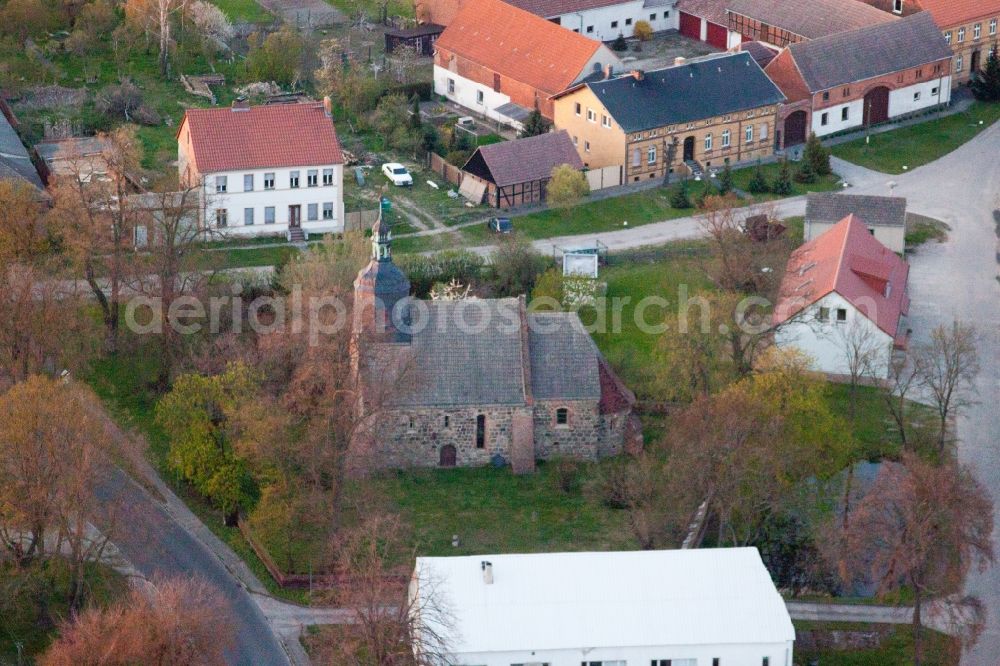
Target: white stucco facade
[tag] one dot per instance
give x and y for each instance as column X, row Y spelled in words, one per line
column 903, row 101
column 320, row 206
column 606, row 23
column 778, row 654
column 826, row 342
column 471, row 94
column 893, row 237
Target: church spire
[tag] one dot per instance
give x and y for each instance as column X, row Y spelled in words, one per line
column 381, row 240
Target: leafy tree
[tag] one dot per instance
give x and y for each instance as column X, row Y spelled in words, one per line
column 679, row 196
column 566, row 187
column 619, row 44
column 550, row 288
column 277, row 57
column 642, row 31
column 198, row 416
column 725, row 180
column 783, row 183
column 817, row 155
column 535, row 124
column 806, row 172
column 986, row 84
column 516, row 265
column 430, row 139
column 758, row 182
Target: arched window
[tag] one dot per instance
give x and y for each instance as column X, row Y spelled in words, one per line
column 562, row 416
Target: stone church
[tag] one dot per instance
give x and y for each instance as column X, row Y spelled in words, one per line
column 479, row 381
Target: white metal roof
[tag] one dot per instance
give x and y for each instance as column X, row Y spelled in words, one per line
column 554, row 601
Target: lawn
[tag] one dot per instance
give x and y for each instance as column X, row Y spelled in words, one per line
column 921, row 229
column 910, row 147
column 244, row 11
column 494, row 511
column 741, row 181
column 896, row 648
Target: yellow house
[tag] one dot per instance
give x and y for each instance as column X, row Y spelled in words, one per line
column 695, row 115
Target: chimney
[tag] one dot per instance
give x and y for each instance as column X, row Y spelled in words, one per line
column 241, row 104
column 609, row 71
column 487, row 568
column 679, row 60
column 637, row 74
column 328, row 106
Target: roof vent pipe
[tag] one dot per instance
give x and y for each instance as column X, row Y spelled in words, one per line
column 487, row 568
column 637, row 74
column 241, row 103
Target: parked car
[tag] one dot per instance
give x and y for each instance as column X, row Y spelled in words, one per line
column 397, row 173
column 501, row 225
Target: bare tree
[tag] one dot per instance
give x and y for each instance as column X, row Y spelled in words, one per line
column 97, row 221
column 921, row 527
column 51, row 459
column 947, row 366
column 392, row 625
column 178, row 621
column 903, row 379
column 737, row 262
column 174, row 267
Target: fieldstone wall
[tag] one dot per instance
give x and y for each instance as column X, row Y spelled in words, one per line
column 415, row 437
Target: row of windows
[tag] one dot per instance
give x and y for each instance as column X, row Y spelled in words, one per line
column 918, row 74
column 312, row 214
column 628, row 22
column 716, row 661
column 312, row 180
column 708, row 121
column 977, row 32
column 960, row 60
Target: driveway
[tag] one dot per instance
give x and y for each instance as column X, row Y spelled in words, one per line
column 958, row 279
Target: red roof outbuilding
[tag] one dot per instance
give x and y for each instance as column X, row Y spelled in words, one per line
column 261, row 137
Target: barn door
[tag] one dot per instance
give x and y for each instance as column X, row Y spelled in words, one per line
column 448, row 456
column 877, row 106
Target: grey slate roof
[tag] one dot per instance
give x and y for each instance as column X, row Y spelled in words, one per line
column 564, row 359
column 469, row 353
column 15, row 163
column 760, row 52
column 869, row 52
column 830, row 207
column 700, row 89
column 528, row 159
column 812, row 19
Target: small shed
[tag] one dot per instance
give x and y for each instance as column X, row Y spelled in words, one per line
column 421, row 38
column 516, row 172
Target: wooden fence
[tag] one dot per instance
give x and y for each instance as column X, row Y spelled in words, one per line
column 449, row 172
column 360, row 220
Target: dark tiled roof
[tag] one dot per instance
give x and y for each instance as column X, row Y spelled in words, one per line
column 564, row 360
column 552, row 8
column 705, row 88
column 529, row 159
column 760, row 52
column 870, row 52
column 812, row 19
column 830, row 208
column 419, row 31
column 15, row 163
column 471, row 353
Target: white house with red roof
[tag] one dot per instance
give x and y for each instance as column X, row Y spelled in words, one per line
column 275, row 169
column 844, row 297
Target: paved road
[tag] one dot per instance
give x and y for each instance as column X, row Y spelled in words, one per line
column 959, row 280
column 153, row 539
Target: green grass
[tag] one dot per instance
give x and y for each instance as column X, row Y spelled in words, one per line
column 919, row 144
column 896, row 648
column 741, row 181
column 251, row 257
column 493, row 510
column 247, row 11
column 18, row 612
column 921, row 229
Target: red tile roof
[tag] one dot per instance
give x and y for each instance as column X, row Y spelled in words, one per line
column 950, row 13
column 518, row 44
column 848, row 260
column 259, row 137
